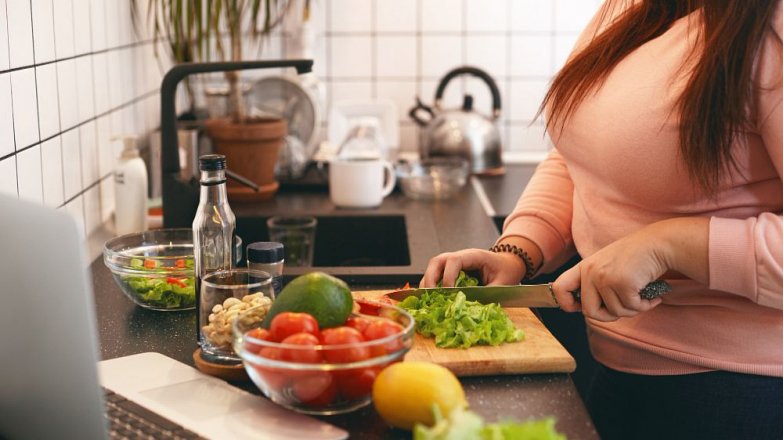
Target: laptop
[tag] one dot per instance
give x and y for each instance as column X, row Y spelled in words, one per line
column 51, row 383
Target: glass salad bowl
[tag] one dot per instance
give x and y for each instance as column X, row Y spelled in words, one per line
column 323, row 379
column 154, row 268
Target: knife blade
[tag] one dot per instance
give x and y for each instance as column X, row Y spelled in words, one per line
column 522, row 295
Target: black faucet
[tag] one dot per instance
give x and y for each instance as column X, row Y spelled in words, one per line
column 180, row 196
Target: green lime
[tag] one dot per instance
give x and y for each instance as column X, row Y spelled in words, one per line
column 325, row 297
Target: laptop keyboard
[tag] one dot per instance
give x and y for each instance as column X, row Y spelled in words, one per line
column 129, row 420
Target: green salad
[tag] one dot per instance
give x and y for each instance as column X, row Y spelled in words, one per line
column 453, row 321
column 462, row 424
column 166, row 292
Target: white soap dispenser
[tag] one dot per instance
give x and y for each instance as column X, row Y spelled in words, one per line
column 130, row 189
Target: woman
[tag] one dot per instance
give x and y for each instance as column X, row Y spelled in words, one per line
column 667, row 123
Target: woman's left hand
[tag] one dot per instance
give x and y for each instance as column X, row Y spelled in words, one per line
column 610, row 279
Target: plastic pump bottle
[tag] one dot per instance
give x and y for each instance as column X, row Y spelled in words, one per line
column 130, row 189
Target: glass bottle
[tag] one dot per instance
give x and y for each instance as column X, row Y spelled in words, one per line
column 213, row 232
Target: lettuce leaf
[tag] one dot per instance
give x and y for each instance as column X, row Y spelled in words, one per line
column 463, row 424
column 453, row 321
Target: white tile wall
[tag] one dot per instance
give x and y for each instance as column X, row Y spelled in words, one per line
column 20, row 32
column 58, row 100
column 396, row 49
column 74, row 74
column 3, row 36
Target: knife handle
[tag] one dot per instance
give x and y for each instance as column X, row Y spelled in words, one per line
column 650, row 291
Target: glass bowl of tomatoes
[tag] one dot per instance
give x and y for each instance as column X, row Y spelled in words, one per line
column 322, row 371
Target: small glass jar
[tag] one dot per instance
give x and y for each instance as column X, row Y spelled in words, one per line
column 224, row 295
column 268, row 256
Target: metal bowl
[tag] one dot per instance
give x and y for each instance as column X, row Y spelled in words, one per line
column 434, row 178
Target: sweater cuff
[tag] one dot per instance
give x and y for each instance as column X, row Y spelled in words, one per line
column 542, row 234
column 732, row 258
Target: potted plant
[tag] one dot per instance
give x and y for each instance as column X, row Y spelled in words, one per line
column 194, row 31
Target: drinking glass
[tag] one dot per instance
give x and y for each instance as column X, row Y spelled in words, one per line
column 224, row 295
column 297, row 233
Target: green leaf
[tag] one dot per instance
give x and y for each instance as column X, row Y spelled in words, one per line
column 455, row 322
column 463, row 424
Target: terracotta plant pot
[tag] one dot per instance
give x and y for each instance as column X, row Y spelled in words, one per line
column 251, row 150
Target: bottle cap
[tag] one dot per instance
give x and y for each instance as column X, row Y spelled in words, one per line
column 212, row 162
column 129, row 148
column 265, row 252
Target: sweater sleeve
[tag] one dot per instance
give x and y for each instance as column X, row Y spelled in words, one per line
column 746, row 255
column 543, row 212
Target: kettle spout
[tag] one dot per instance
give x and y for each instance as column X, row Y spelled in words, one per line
column 416, row 113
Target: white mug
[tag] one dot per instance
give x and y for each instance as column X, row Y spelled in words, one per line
column 359, row 182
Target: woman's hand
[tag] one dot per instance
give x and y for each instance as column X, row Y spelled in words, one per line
column 610, row 279
column 495, row 268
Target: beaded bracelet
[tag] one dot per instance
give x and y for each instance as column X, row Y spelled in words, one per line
column 505, row 247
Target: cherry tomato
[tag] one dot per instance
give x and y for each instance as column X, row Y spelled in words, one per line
column 316, row 389
column 343, row 336
column 274, row 378
column 356, row 383
column 256, row 333
column 372, row 306
column 382, row 328
column 150, row 264
column 358, row 323
column 289, row 323
column 307, row 354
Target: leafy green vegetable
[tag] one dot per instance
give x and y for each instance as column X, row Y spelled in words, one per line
column 162, row 291
column 456, row 322
column 463, row 280
column 462, row 424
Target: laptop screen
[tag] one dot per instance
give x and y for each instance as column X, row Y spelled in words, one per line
column 49, row 383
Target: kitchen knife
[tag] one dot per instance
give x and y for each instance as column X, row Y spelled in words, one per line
column 523, row 295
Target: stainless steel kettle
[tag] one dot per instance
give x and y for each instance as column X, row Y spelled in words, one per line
column 462, row 132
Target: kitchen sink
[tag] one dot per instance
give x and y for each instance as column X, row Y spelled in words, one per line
column 346, row 240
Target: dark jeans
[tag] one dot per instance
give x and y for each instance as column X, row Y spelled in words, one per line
column 715, row 405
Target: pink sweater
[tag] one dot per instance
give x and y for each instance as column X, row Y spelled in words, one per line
column 616, row 168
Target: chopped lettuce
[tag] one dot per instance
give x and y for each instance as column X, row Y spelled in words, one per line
column 462, row 424
column 463, row 280
column 162, row 291
column 456, row 322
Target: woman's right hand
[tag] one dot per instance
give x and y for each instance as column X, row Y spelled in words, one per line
column 501, row 268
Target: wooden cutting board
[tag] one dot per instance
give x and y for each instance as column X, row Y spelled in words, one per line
column 539, row 352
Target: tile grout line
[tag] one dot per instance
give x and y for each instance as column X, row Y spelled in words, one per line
column 96, row 147
column 374, row 49
column 509, row 60
column 85, row 189
column 59, row 116
column 37, row 106
column 329, row 69
column 72, row 57
column 86, row 121
column 11, row 92
column 78, row 116
column 11, row 84
column 96, row 156
column 464, row 38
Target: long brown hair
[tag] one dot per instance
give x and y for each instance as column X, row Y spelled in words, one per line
column 714, row 106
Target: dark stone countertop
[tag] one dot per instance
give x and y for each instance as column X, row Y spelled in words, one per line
column 461, row 222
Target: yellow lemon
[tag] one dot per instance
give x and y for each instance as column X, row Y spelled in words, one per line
column 405, row 392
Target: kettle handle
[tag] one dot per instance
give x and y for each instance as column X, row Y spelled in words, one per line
column 475, row 71
column 421, row 107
